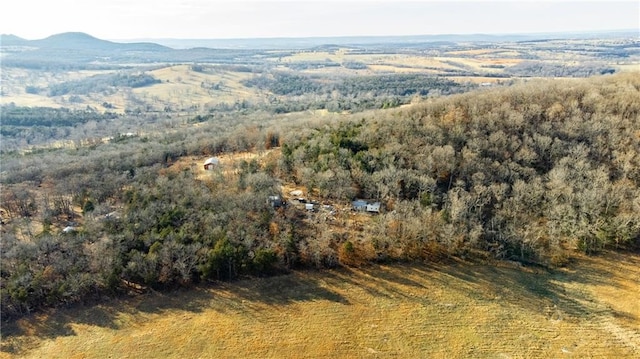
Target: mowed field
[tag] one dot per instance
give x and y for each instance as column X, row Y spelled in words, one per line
column 446, row 310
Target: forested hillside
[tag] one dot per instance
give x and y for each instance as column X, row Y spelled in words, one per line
column 527, row 173
column 531, row 173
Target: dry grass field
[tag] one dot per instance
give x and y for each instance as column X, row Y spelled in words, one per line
column 181, row 85
column 14, row 81
column 180, row 88
column 453, row 310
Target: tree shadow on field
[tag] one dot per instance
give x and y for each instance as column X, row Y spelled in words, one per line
column 247, row 295
column 252, row 296
column 22, row 333
column 558, row 293
column 382, row 281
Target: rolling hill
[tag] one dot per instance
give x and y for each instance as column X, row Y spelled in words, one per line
column 79, row 41
column 75, row 50
column 12, row 40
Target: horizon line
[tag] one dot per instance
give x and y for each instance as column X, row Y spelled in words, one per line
column 537, row 33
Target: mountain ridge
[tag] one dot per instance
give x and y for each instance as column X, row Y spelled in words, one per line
column 79, row 41
column 11, row 40
column 306, row 42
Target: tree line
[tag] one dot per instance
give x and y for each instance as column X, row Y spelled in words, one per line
column 21, row 116
column 282, row 83
column 358, row 93
column 104, row 83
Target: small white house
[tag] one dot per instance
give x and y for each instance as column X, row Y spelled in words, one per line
column 211, row 163
column 373, row 207
column 366, row 206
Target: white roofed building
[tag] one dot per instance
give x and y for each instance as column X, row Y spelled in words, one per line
column 211, row 163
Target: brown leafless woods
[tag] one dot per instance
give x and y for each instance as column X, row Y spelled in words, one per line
column 531, row 173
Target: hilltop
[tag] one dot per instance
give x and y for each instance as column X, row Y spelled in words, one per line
column 11, row 40
column 78, row 41
column 72, row 50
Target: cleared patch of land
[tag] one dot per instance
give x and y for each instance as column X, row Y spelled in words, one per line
column 196, row 88
column 180, row 88
column 401, row 310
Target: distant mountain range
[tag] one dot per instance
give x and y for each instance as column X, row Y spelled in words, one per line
column 377, row 41
column 77, row 50
column 80, row 50
column 78, row 41
column 83, row 41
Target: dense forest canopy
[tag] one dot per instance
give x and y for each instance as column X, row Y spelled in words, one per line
column 399, row 85
column 523, row 172
column 531, row 173
column 357, row 93
column 14, row 116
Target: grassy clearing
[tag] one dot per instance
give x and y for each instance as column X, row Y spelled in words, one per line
column 477, row 79
column 398, row 63
column 227, row 166
column 400, row 310
column 15, row 80
column 180, row 88
column 397, row 69
column 180, row 82
column 304, row 56
column 630, row 67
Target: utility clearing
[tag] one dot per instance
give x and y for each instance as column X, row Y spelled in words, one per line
column 435, row 310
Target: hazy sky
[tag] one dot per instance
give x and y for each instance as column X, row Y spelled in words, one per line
column 136, row 19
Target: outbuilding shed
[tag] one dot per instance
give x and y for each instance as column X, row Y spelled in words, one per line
column 211, row 163
column 373, row 207
column 366, row 206
column 359, row 205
